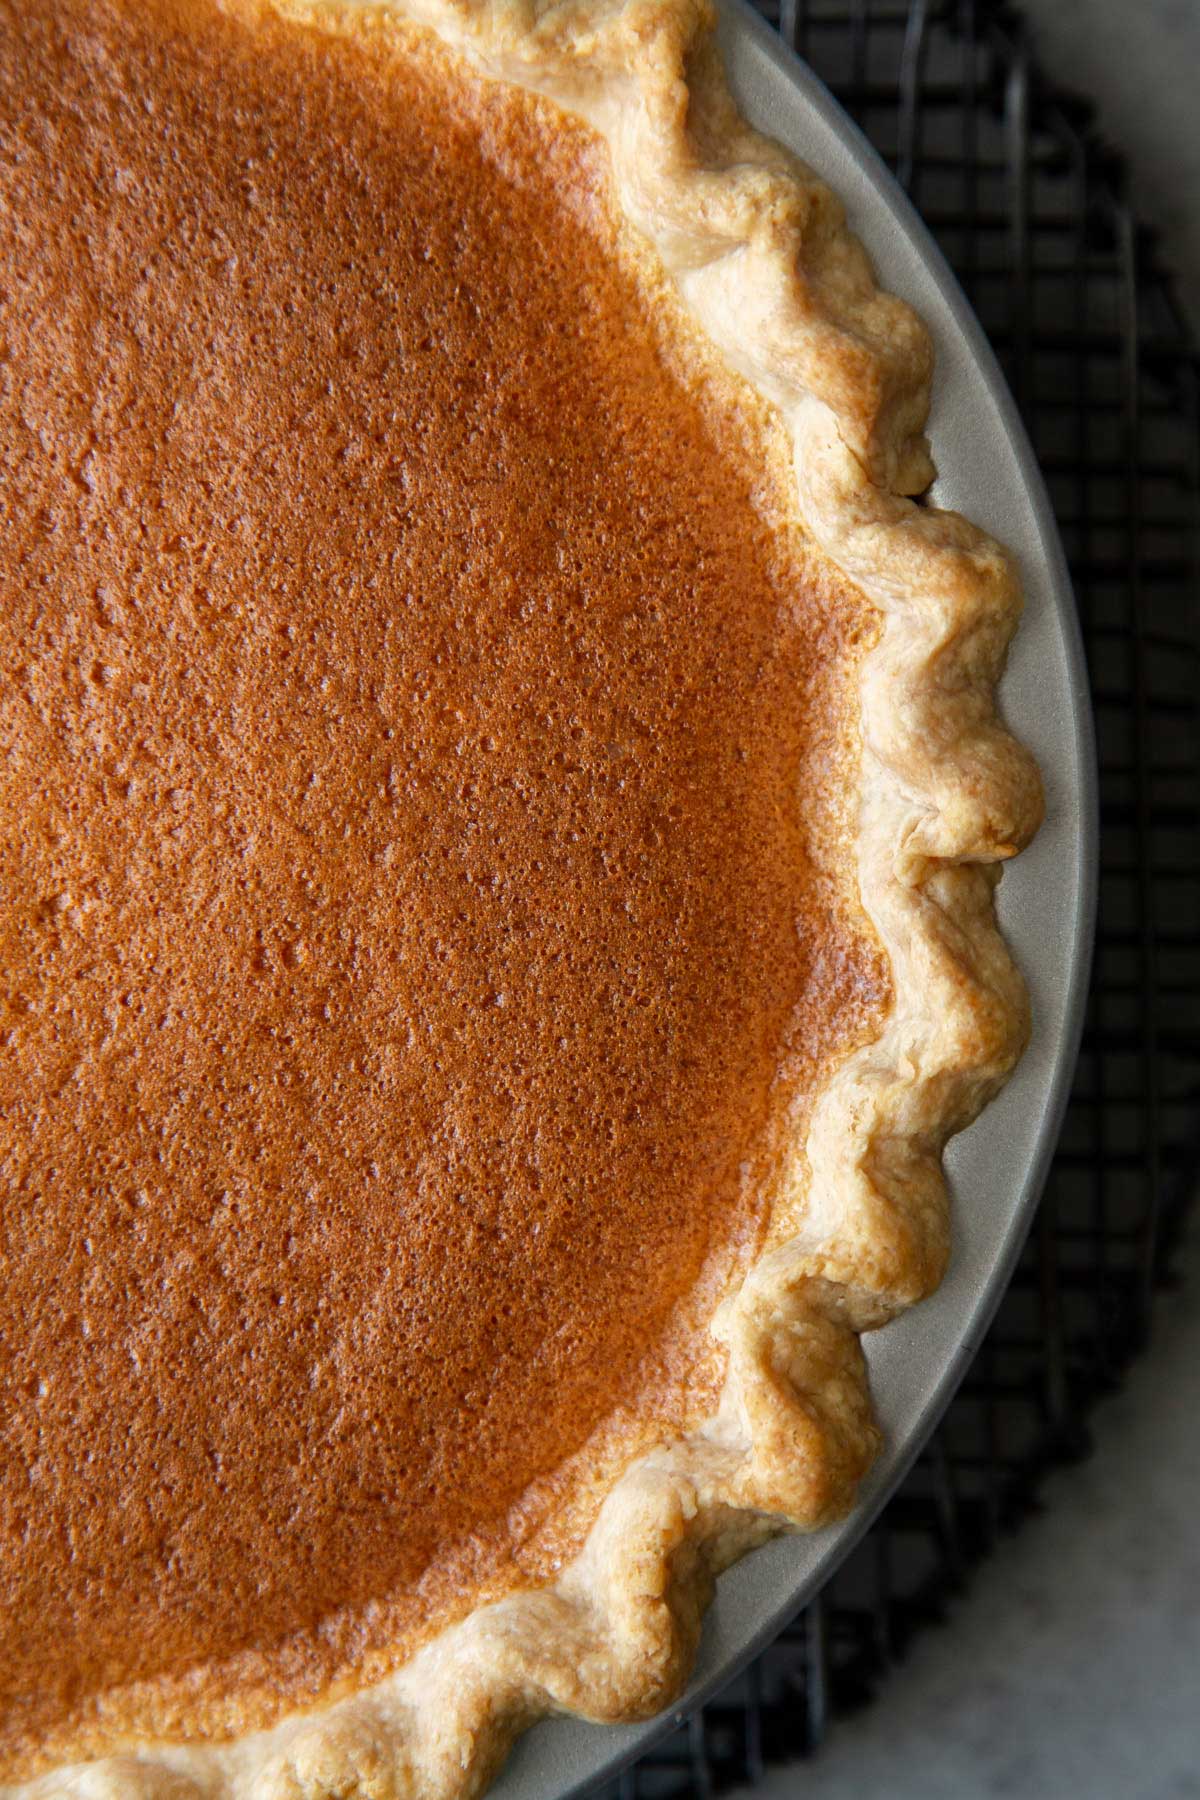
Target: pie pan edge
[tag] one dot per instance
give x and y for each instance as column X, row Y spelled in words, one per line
column 1047, row 909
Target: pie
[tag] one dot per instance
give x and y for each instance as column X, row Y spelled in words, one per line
column 501, row 804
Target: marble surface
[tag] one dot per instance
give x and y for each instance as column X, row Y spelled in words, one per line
column 1071, row 1668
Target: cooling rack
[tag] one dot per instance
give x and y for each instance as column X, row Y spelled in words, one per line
column 1028, row 205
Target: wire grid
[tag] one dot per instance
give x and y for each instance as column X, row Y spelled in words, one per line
column 1027, row 204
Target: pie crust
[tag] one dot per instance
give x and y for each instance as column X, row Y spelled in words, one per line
column 760, row 252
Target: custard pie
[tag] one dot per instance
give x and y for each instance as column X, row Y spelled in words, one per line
column 501, row 803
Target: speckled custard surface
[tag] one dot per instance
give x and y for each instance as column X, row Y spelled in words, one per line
column 425, row 887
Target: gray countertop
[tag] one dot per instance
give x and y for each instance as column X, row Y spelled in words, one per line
column 1071, row 1667
column 1141, row 63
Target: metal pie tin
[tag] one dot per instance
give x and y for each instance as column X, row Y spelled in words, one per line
column 1047, row 904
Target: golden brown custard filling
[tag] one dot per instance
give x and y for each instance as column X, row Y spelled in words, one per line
column 409, row 923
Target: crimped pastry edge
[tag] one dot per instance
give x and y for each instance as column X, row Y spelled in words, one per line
column 760, row 251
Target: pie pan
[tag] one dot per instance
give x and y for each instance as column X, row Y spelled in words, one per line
column 1046, row 905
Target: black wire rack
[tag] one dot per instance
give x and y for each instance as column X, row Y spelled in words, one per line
column 1028, row 205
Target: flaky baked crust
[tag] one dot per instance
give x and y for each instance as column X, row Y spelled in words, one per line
column 760, row 251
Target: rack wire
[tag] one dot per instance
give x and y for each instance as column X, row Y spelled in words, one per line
column 1028, row 205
